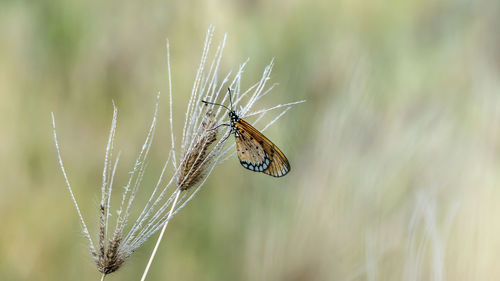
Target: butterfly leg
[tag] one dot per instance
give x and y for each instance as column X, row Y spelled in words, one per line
column 216, row 127
column 227, row 136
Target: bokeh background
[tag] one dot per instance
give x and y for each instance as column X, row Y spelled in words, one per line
column 395, row 156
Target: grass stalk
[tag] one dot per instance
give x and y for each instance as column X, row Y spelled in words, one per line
column 153, row 254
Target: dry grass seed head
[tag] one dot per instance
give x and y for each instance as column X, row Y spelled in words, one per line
column 197, row 158
column 111, row 259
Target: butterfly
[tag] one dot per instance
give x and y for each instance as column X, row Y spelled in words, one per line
column 255, row 152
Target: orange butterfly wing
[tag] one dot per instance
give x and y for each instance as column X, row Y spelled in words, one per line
column 257, row 153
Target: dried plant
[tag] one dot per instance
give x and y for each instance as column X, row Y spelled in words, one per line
column 198, row 158
column 202, row 149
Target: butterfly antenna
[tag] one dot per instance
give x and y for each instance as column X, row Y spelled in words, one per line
column 230, row 98
column 207, row 102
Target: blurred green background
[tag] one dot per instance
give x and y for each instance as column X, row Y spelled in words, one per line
column 395, row 156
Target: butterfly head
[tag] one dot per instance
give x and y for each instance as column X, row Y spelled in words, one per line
column 233, row 116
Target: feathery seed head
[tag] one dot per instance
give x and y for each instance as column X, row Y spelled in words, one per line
column 197, row 158
column 111, row 258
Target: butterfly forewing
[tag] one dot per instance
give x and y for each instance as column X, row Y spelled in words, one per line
column 258, row 153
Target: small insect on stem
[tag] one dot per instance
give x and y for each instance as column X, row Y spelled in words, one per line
column 255, row 152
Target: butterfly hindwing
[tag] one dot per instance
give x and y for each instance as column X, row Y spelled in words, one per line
column 258, row 153
column 250, row 152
